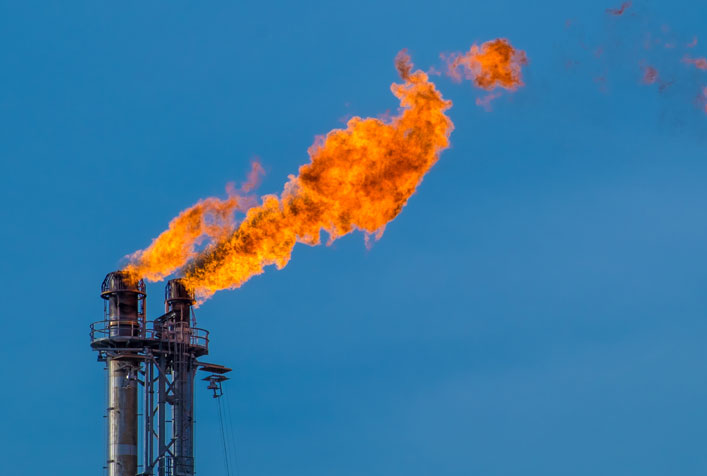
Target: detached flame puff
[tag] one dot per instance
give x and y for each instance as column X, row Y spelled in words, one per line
column 493, row 64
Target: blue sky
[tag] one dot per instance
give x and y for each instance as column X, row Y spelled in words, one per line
column 537, row 308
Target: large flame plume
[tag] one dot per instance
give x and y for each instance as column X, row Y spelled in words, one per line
column 358, row 178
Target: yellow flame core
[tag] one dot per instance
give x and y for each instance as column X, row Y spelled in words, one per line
column 358, row 178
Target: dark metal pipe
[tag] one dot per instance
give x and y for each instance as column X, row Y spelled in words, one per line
column 179, row 299
column 126, row 304
column 125, row 314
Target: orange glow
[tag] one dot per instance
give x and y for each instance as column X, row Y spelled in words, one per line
column 700, row 63
column 358, row 178
column 650, row 75
column 493, row 64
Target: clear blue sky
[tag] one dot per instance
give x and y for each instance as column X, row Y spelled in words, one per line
column 538, row 307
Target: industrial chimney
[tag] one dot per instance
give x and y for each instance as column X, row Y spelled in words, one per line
column 124, row 316
column 159, row 356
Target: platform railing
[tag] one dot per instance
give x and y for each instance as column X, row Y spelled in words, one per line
column 115, row 328
column 179, row 332
column 169, row 331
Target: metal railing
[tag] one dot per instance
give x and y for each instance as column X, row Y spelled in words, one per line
column 158, row 331
column 179, row 333
column 115, row 328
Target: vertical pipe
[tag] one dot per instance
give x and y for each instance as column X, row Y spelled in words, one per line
column 122, row 418
column 126, row 303
column 125, row 297
column 183, row 411
column 179, row 300
column 151, row 449
column 148, row 418
column 162, row 404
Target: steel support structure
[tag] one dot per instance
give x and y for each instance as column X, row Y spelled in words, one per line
column 161, row 357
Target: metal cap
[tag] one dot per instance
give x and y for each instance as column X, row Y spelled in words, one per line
column 121, row 281
column 176, row 291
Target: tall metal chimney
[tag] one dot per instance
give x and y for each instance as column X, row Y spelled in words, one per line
column 161, row 356
column 177, row 302
column 125, row 315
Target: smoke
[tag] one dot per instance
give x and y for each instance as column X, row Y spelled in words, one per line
column 403, row 64
column 485, row 101
column 642, row 49
column 619, row 11
column 358, row 178
column 650, row 75
column 254, row 177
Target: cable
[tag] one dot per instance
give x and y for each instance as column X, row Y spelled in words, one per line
column 234, row 442
column 223, row 437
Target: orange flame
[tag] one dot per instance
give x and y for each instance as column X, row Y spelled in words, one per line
column 210, row 219
column 493, row 64
column 360, row 178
